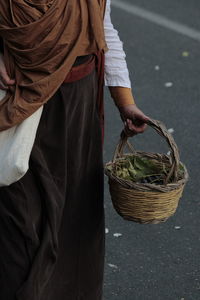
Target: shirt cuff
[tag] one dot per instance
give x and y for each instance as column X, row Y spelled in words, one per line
column 118, row 79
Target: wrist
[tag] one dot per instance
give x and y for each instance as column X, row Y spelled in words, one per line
column 122, row 96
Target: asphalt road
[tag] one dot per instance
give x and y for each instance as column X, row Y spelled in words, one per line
column 158, row 262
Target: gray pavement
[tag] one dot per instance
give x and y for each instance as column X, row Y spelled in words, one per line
column 158, row 262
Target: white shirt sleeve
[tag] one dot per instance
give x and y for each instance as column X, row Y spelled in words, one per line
column 116, row 71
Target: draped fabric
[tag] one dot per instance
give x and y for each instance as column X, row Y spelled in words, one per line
column 42, row 40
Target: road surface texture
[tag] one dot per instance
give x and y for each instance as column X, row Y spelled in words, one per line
column 162, row 42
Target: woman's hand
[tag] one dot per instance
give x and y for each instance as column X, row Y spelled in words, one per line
column 134, row 119
column 5, row 80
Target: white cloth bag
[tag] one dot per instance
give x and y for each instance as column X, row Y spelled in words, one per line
column 16, row 144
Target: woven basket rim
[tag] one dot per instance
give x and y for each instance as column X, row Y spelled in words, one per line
column 146, row 186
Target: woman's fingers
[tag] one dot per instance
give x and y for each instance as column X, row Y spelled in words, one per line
column 135, row 120
column 5, row 79
column 130, row 129
column 139, row 128
column 3, row 86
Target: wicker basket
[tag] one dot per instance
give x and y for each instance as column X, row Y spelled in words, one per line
column 144, row 202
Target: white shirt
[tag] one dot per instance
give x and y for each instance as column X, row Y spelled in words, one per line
column 116, row 71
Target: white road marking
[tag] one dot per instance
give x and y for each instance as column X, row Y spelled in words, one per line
column 117, row 234
column 171, row 130
column 168, row 84
column 106, row 230
column 177, row 227
column 157, row 19
column 113, row 266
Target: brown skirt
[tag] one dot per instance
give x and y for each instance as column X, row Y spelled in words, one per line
column 52, row 234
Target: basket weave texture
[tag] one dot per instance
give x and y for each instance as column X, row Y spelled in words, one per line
column 147, row 202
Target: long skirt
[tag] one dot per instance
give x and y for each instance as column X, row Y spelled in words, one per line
column 52, row 235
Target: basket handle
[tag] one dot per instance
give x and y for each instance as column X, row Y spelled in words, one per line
column 162, row 131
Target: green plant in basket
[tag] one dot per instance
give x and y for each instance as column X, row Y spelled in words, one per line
column 142, row 170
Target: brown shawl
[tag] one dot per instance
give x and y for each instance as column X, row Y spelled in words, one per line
column 42, row 40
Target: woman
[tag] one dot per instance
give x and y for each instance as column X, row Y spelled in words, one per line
column 52, row 219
